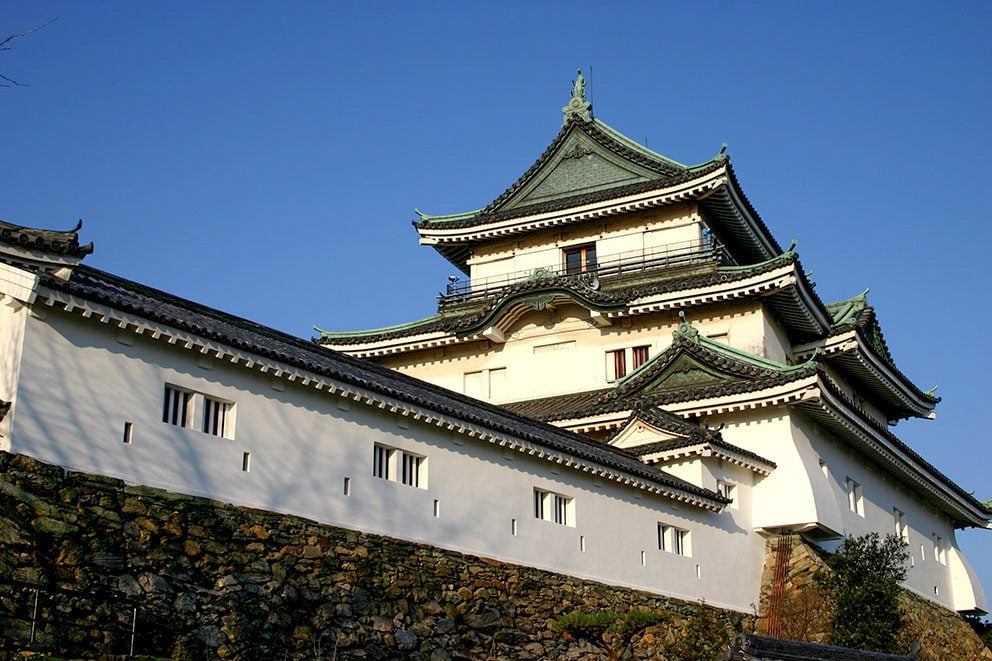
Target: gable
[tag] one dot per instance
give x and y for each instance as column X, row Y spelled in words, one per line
column 687, row 371
column 579, row 165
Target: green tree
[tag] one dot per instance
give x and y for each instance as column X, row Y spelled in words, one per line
column 705, row 637
column 864, row 586
column 609, row 632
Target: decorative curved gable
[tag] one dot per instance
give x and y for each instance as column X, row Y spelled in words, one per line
column 693, row 362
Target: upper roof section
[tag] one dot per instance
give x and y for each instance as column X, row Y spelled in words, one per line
column 586, row 168
column 46, row 249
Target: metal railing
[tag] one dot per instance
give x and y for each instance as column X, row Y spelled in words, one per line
column 615, row 265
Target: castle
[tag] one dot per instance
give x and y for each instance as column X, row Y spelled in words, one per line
column 635, row 383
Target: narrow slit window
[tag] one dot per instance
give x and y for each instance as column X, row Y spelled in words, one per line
column 582, row 543
column 246, row 462
column 128, row 433
column 513, row 527
column 437, row 508
column 347, row 486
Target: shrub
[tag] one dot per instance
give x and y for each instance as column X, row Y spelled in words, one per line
column 864, row 586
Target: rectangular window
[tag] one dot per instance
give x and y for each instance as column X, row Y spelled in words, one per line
column 550, row 506
column 673, row 540
column 246, row 462
column 513, row 527
column 939, row 554
column 640, row 356
column 128, row 432
column 728, row 490
column 616, row 364
column 215, row 415
column 580, row 259
column 396, row 465
column 177, row 408
column 855, row 500
column 180, row 407
column 474, row 385
column 382, row 458
column 902, row 530
column 411, row 470
column 347, row 486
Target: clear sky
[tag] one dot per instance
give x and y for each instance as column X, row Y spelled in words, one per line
column 266, row 158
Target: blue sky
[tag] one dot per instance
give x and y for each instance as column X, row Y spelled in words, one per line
column 266, row 158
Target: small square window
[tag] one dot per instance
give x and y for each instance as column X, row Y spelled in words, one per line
column 728, row 490
column 673, row 540
column 640, row 356
column 550, row 506
column 616, row 364
column 216, row 417
column 177, row 408
column 411, row 470
column 580, row 259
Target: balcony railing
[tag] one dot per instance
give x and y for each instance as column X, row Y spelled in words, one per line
column 608, row 266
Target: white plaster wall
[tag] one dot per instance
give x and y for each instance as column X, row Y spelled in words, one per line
column 79, row 385
column 881, row 493
column 968, row 592
column 792, row 496
column 13, row 316
column 776, row 343
column 535, row 368
column 626, row 238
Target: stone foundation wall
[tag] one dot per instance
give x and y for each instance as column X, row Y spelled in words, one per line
column 943, row 634
column 89, row 558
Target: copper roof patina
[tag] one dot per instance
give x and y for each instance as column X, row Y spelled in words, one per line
column 612, row 294
column 692, row 367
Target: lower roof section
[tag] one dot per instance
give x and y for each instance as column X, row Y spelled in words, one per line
column 130, row 305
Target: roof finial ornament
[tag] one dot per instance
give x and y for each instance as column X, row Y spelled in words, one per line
column 685, row 329
column 578, row 108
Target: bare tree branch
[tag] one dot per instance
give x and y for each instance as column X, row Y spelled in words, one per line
column 6, row 44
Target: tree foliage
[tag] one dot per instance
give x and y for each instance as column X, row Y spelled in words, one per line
column 864, row 586
column 705, row 637
column 608, row 631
